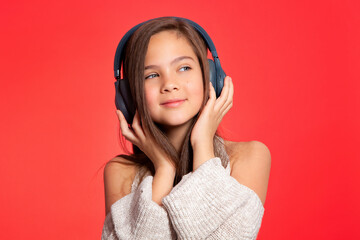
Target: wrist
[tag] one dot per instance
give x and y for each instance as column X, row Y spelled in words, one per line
column 203, row 147
column 202, row 153
column 161, row 161
column 162, row 183
column 165, row 169
column 202, row 143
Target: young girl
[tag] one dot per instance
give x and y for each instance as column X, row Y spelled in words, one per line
column 182, row 181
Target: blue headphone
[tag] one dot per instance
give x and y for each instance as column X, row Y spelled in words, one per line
column 123, row 99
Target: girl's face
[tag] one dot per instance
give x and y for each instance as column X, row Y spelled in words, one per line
column 173, row 81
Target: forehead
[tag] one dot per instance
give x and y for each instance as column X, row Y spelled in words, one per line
column 166, row 45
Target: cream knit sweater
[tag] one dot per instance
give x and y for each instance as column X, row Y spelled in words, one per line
column 206, row 204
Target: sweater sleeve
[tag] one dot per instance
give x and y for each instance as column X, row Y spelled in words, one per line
column 136, row 216
column 210, row 204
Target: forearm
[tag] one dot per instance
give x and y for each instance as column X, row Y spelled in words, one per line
column 211, row 203
column 162, row 183
column 136, row 216
column 202, row 152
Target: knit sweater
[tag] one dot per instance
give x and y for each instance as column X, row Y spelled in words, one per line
column 206, row 204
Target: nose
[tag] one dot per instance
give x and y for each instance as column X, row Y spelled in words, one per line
column 169, row 84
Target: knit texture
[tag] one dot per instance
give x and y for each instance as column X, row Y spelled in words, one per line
column 136, row 216
column 211, row 204
column 206, row 204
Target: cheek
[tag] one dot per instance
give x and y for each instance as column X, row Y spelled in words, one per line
column 197, row 90
column 150, row 96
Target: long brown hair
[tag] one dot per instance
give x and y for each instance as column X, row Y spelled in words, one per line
column 133, row 66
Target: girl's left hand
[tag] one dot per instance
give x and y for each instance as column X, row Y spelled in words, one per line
column 210, row 117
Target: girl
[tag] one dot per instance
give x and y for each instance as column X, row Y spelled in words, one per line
column 182, row 180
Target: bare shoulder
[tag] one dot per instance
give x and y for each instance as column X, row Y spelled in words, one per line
column 250, row 164
column 119, row 173
column 242, row 151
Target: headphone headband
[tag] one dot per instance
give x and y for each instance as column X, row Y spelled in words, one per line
column 124, row 40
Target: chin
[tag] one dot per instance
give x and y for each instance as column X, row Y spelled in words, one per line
column 176, row 122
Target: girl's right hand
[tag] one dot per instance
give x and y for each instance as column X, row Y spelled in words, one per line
column 143, row 140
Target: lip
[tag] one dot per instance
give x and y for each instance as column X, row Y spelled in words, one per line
column 173, row 102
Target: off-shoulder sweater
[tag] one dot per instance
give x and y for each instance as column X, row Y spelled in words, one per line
column 206, row 204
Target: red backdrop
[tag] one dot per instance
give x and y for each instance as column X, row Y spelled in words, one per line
column 295, row 66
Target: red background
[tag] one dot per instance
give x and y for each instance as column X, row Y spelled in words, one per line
column 295, row 65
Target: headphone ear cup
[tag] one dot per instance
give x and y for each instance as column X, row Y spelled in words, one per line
column 123, row 99
column 213, row 75
column 220, row 77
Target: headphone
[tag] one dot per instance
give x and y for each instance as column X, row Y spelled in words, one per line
column 123, row 99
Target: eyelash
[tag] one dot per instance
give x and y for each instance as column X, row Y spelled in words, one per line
column 149, row 76
column 186, row 67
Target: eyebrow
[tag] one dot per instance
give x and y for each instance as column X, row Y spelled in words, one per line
column 178, row 59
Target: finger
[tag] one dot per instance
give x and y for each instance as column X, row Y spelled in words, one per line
column 136, row 126
column 229, row 101
column 212, row 93
column 226, row 109
column 228, row 86
column 124, row 127
column 120, row 115
column 118, row 112
column 230, row 94
column 220, row 102
column 232, row 87
column 225, row 89
column 212, row 97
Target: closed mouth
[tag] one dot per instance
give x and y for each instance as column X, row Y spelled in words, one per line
column 173, row 102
